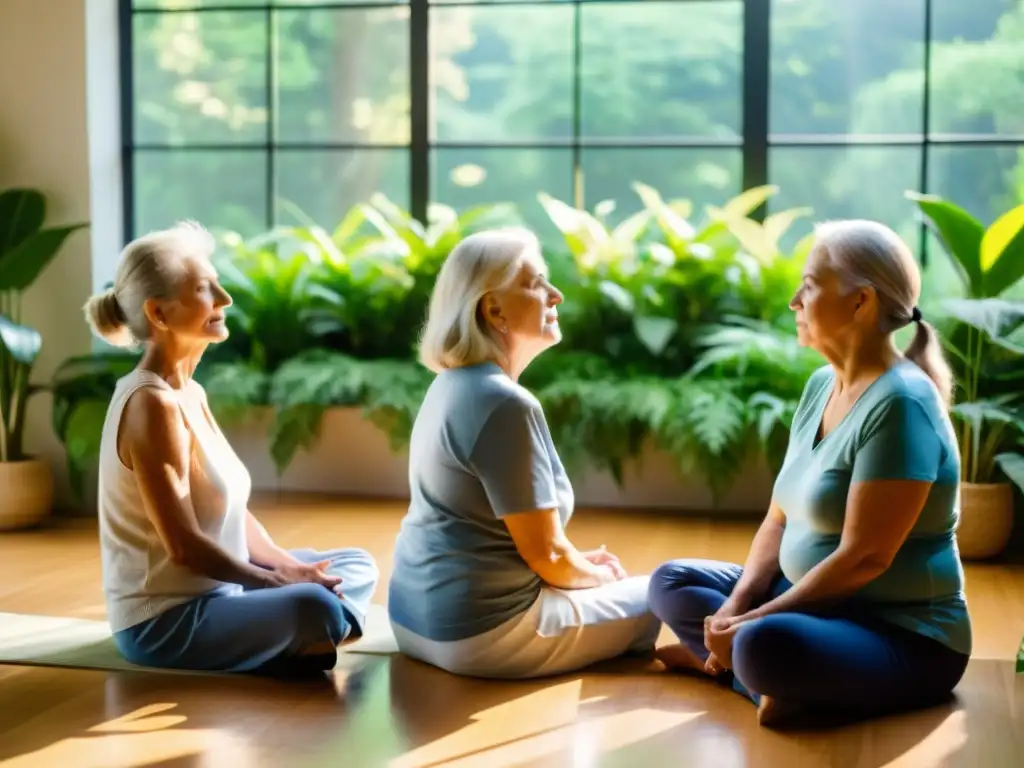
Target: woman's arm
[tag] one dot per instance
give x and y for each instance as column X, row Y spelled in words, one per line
column 894, row 467
column 542, row 543
column 262, row 549
column 880, row 515
column 157, row 444
column 762, row 564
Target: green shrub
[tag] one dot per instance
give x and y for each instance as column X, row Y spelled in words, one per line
column 677, row 332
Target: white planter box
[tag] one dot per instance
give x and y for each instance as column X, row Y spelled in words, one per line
column 353, row 458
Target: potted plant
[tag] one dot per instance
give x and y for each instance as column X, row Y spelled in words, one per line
column 26, row 247
column 984, row 337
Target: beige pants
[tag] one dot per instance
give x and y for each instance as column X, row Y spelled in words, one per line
column 564, row 630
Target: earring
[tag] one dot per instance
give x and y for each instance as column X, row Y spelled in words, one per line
column 504, row 329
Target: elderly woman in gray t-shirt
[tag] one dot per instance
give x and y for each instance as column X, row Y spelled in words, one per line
column 486, row 582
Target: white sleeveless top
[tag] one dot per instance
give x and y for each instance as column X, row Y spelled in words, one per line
column 140, row 580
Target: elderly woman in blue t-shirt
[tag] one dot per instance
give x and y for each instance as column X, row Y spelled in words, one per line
column 486, row 582
column 852, row 596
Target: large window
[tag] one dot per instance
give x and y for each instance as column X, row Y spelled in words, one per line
column 245, row 115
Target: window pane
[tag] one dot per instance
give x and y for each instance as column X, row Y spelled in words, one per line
column 847, row 67
column 501, row 73
column 324, row 185
column 188, row 3
column 224, row 189
column 984, row 181
column 701, row 176
column 493, row 2
column 200, row 77
column 977, row 68
column 343, row 75
column 847, row 183
column 464, row 178
column 207, row 3
column 639, row 78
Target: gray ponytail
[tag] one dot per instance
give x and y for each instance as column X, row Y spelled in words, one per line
column 866, row 253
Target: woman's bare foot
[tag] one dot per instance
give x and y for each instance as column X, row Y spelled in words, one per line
column 772, row 712
column 679, row 658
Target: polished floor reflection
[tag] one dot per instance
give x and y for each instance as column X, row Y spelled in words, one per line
column 397, row 713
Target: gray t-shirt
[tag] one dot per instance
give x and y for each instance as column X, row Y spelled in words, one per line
column 480, row 450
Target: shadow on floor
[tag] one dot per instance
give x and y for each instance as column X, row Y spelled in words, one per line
column 397, row 713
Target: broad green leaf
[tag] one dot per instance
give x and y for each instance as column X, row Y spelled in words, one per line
column 1012, row 465
column 21, row 213
column 960, row 235
column 604, row 209
column 997, row 318
column 23, row 343
column 752, row 237
column 348, row 226
column 682, row 207
column 83, row 431
column 630, row 230
column 746, row 202
column 23, row 263
column 581, row 231
column 803, row 248
column 777, row 224
column 1002, row 252
column 655, row 332
column 978, row 412
column 622, row 298
column 675, row 226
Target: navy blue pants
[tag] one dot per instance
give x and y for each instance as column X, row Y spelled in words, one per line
column 278, row 631
column 840, row 661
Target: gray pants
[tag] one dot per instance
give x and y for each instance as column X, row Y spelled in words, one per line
column 263, row 630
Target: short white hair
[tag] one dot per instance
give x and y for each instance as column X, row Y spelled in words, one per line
column 455, row 333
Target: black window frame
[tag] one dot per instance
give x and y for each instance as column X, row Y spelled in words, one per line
column 755, row 141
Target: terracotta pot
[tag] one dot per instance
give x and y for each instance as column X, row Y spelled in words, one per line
column 986, row 519
column 27, row 496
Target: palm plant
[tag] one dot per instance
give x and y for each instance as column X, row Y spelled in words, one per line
column 26, row 248
column 983, row 335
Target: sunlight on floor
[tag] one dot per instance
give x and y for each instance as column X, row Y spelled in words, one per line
column 508, row 734
column 140, row 738
column 945, row 740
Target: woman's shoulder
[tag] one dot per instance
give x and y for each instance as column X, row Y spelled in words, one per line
column 905, row 385
column 486, row 385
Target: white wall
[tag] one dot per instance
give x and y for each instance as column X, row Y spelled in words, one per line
column 45, row 144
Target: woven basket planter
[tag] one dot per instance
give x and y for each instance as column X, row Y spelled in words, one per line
column 27, row 496
column 986, row 519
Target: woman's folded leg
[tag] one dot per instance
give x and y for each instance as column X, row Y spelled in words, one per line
column 295, row 627
column 682, row 594
column 359, row 578
column 563, row 631
column 842, row 665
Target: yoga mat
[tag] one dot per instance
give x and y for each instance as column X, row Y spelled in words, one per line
column 54, row 641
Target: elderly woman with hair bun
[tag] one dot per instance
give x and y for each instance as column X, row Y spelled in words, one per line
column 486, row 582
column 852, row 596
column 192, row 580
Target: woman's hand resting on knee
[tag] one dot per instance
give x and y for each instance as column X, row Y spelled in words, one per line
column 603, row 557
column 718, row 636
column 314, row 573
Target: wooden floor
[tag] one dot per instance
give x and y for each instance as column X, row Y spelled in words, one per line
column 398, row 713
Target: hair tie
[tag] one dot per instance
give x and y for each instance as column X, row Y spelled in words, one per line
column 915, row 315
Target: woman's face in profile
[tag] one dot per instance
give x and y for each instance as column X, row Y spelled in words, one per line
column 529, row 307
column 197, row 312
column 823, row 312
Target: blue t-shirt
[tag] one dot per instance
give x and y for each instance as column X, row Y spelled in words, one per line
column 897, row 429
column 480, row 450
